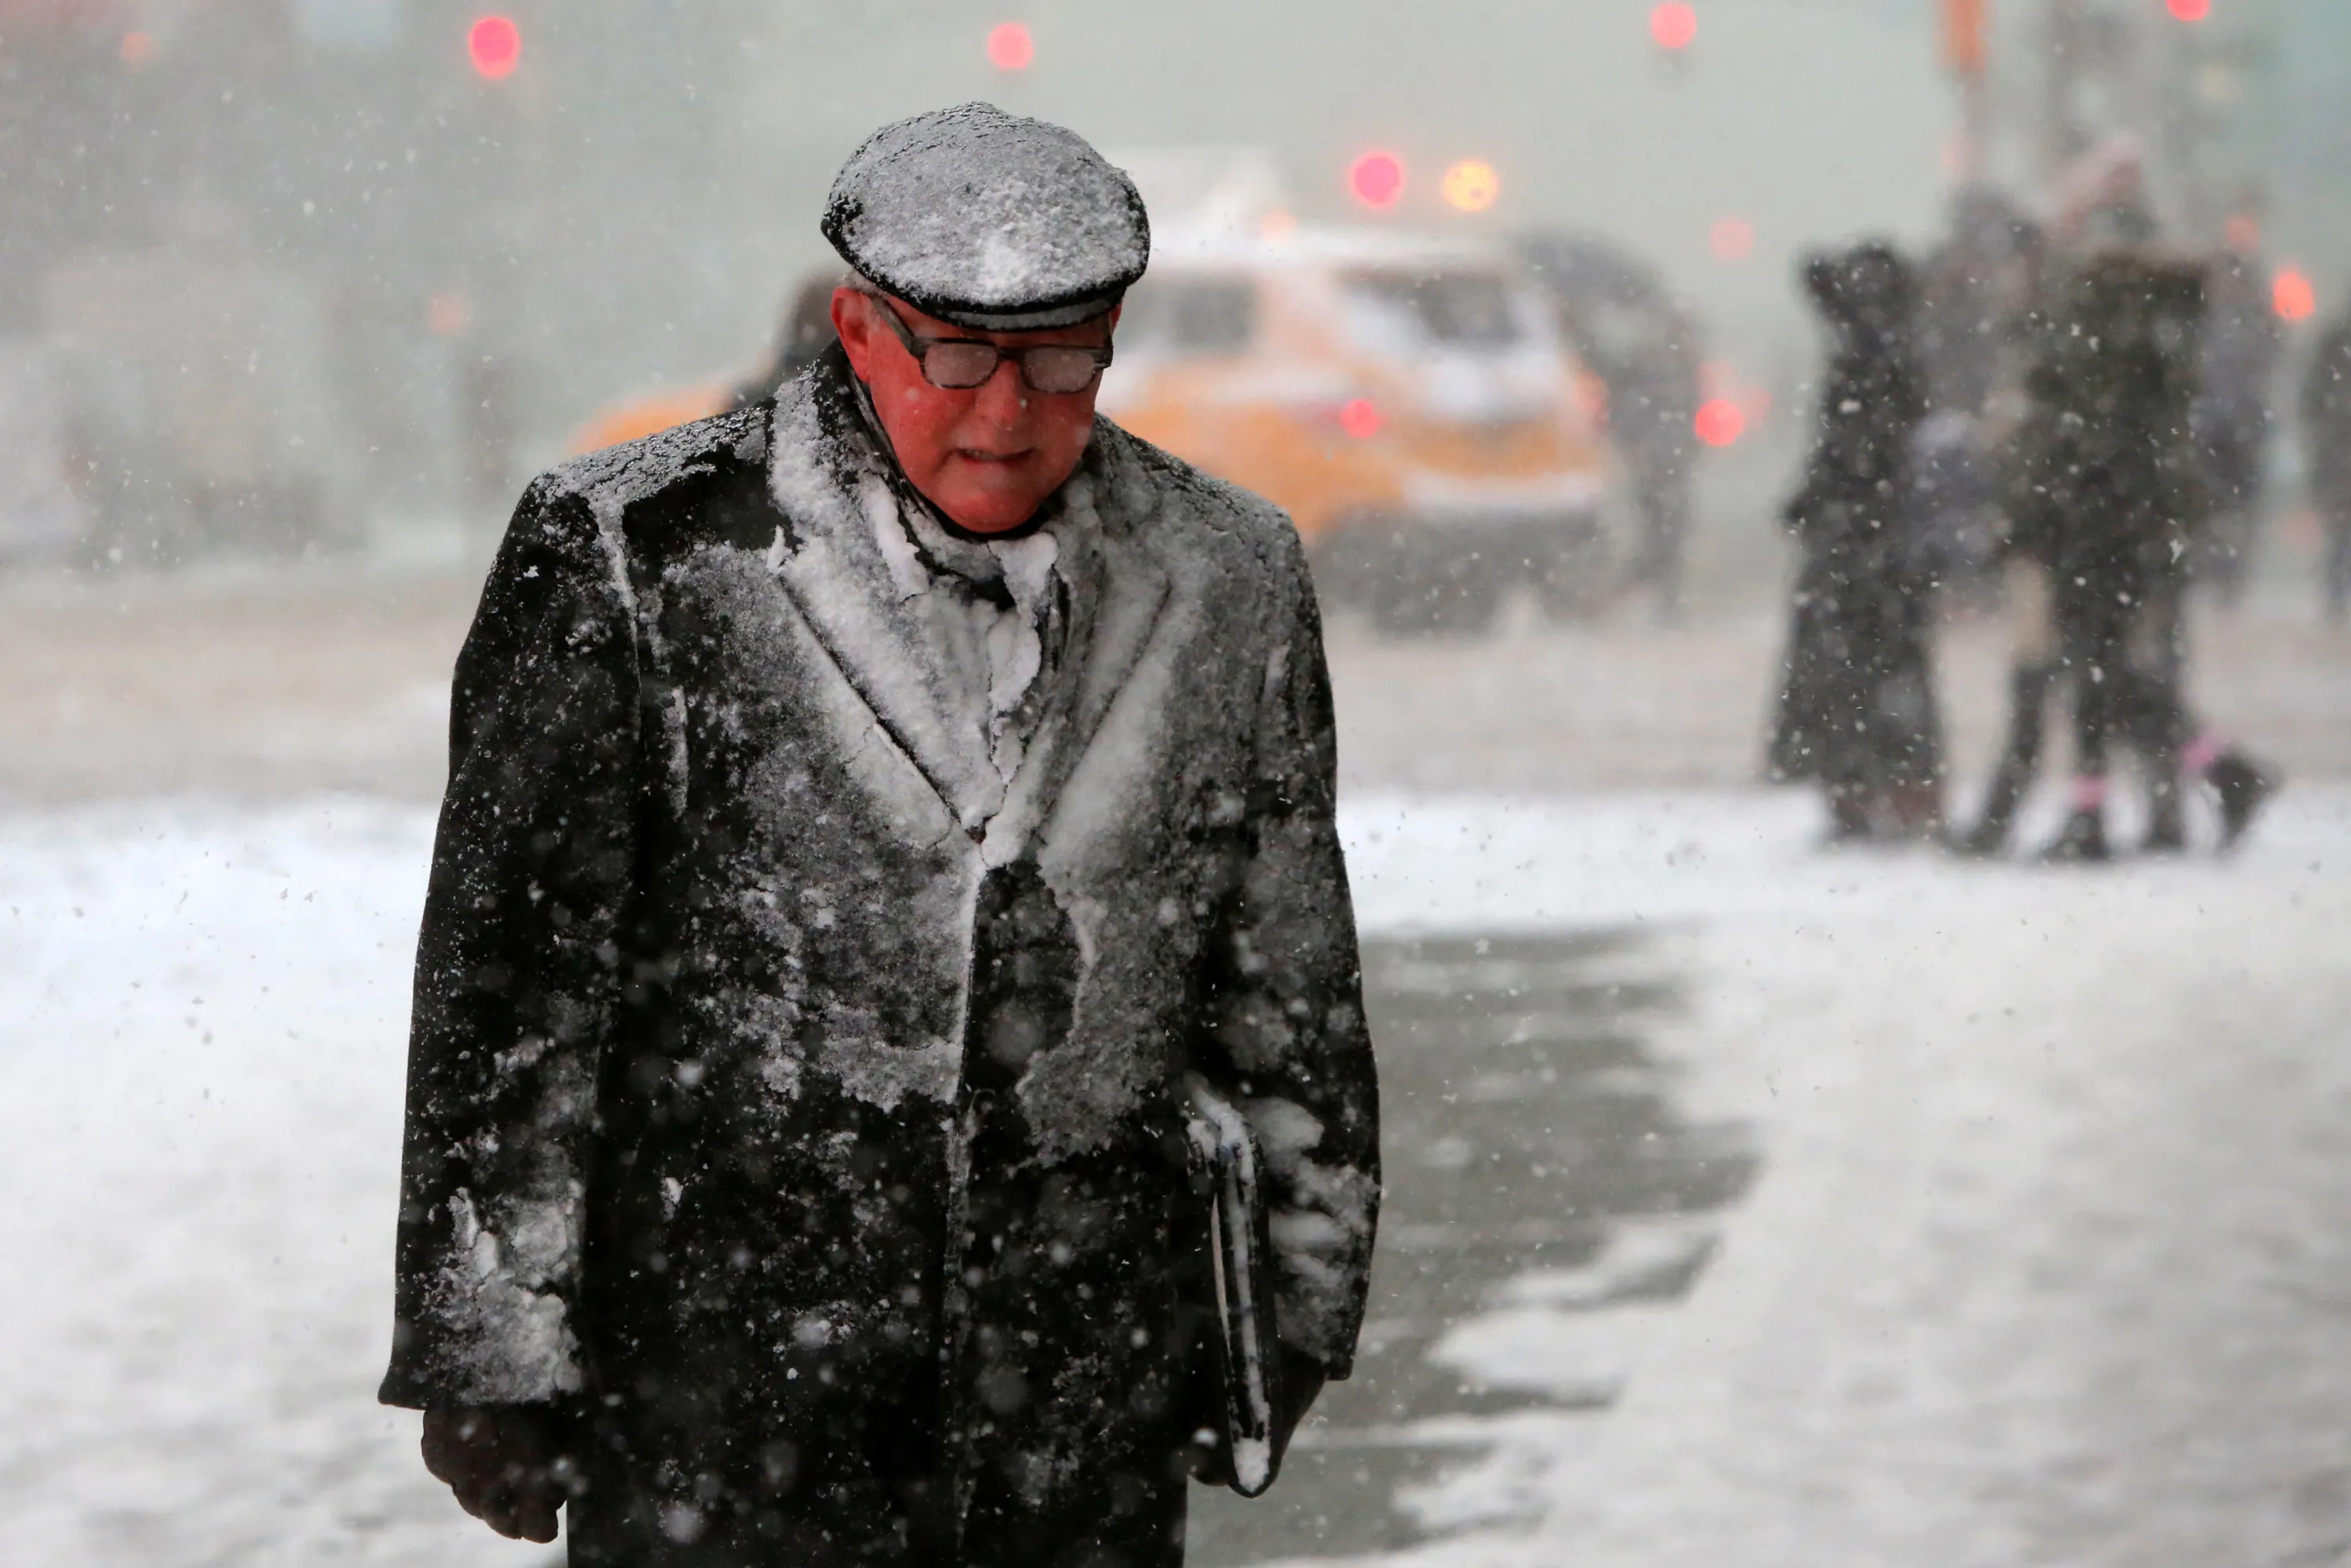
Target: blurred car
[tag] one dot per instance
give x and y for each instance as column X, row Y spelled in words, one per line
column 1407, row 400
column 649, row 415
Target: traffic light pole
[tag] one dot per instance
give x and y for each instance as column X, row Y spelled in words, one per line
column 2062, row 136
column 1975, row 126
column 1965, row 26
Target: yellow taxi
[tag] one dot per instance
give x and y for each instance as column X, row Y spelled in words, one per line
column 651, row 415
column 1406, row 399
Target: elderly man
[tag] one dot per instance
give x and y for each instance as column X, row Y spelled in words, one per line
column 877, row 819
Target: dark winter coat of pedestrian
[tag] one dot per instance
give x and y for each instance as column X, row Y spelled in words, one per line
column 1857, row 709
column 877, row 819
column 1975, row 288
column 2108, row 500
column 2326, row 437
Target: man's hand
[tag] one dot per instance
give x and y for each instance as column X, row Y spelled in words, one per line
column 505, row 1462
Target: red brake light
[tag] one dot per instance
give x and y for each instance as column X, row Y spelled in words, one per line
column 1361, row 418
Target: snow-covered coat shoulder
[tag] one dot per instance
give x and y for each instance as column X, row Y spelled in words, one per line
column 724, row 918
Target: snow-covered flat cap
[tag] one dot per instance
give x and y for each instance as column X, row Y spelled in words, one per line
column 988, row 220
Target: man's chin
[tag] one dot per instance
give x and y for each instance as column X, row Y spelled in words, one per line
column 987, row 520
column 989, row 510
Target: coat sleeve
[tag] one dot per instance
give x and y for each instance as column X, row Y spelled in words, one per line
column 1286, row 1009
column 519, row 971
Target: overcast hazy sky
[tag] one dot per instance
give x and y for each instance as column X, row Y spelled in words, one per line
column 1811, row 119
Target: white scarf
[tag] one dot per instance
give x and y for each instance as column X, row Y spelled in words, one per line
column 996, row 610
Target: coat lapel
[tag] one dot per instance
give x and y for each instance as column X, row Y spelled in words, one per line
column 834, row 571
column 1118, row 589
column 1134, row 589
column 832, row 564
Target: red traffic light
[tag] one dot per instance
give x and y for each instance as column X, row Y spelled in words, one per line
column 1010, row 47
column 1674, row 25
column 494, row 45
column 1376, row 179
column 1720, row 422
column 2190, row 10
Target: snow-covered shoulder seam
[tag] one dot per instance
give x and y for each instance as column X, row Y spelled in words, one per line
column 616, row 477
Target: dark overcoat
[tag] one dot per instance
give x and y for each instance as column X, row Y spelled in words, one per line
column 2112, row 496
column 2108, row 491
column 795, row 1104
column 1857, row 707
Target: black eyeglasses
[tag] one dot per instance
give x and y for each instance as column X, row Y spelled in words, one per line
column 959, row 364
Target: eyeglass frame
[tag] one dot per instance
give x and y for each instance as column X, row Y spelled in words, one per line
column 920, row 348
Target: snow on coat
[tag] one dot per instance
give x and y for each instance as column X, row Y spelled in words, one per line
column 801, row 1106
column 2107, row 484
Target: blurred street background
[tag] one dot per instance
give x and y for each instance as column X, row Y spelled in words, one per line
column 1751, row 1202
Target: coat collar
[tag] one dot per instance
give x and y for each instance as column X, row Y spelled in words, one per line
column 833, row 487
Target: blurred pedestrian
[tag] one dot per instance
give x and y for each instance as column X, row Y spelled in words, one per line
column 2232, row 419
column 1653, row 414
column 1976, row 288
column 1857, row 709
column 2107, row 502
column 888, row 886
column 1643, row 346
column 2326, row 438
column 2102, row 202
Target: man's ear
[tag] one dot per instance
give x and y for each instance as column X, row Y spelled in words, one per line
column 854, row 327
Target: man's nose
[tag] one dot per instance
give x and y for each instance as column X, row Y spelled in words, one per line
column 1003, row 397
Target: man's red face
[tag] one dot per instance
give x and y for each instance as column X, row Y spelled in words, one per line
column 989, row 456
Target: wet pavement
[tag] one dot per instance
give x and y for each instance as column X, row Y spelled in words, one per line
column 1537, row 1169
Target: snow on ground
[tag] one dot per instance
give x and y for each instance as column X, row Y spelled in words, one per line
column 200, row 1093
column 2048, row 1262
column 2045, row 1265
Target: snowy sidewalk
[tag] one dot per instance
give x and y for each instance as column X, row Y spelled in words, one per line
column 2046, row 1265
column 2049, row 1262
